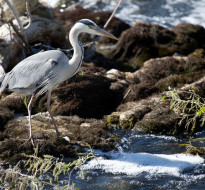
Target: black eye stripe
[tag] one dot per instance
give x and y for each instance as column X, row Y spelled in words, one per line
column 86, row 22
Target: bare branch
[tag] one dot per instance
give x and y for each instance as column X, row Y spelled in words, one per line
column 16, row 17
column 28, row 13
column 113, row 13
column 22, row 36
column 106, row 24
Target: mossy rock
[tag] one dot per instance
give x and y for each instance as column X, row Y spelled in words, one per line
column 155, row 127
column 113, row 118
column 195, row 150
column 128, row 124
column 161, row 120
column 197, row 53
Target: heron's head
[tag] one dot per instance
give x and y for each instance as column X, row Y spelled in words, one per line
column 90, row 27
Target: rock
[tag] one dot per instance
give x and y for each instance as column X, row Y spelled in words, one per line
column 49, row 32
column 20, row 8
column 80, row 131
column 43, row 10
column 188, row 69
column 129, row 113
column 141, row 108
column 139, row 91
column 196, row 32
column 99, row 60
column 195, row 150
column 138, row 44
column 198, row 53
column 149, row 115
column 87, row 95
column 5, row 116
column 161, row 120
column 14, row 102
column 10, row 105
column 12, row 150
column 113, row 74
column 128, row 119
column 113, row 118
column 36, row 8
column 144, row 41
column 132, row 112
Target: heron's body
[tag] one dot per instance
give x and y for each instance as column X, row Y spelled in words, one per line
column 41, row 72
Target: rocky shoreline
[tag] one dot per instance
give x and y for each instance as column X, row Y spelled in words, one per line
column 120, row 85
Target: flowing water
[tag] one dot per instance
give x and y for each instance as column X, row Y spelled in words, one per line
column 164, row 12
column 167, row 13
column 147, row 161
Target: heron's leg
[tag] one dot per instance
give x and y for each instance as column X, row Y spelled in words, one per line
column 29, row 115
column 49, row 111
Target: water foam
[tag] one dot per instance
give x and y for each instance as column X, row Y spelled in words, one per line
column 136, row 163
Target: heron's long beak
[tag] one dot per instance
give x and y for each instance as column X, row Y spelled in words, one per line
column 105, row 33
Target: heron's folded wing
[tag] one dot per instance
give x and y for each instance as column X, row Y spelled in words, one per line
column 31, row 74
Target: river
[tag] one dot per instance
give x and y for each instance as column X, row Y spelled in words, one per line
column 145, row 162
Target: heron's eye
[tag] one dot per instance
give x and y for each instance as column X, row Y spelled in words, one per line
column 91, row 27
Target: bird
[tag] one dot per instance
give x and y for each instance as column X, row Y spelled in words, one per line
column 41, row 72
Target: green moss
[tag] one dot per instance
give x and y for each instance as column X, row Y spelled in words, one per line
column 113, row 118
column 129, row 124
column 197, row 53
column 198, row 139
column 152, row 127
column 165, row 51
column 195, row 150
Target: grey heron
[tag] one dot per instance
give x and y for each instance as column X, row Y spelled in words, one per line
column 41, row 72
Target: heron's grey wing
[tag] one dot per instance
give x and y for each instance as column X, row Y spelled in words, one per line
column 30, row 75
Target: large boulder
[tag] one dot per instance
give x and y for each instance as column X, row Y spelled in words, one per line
column 49, row 32
column 19, row 6
column 87, row 95
column 36, row 8
column 81, row 132
column 144, row 41
column 141, row 108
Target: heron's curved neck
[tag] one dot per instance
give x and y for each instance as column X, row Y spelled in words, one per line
column 77, row 47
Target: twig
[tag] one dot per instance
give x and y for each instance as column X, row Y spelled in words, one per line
column 113, row 13
column 21, row 37
column 29, row 14
column 91, row 44
column 17, row 18
column 126, row 94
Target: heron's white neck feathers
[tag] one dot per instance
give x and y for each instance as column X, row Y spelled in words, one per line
column 73, row 37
